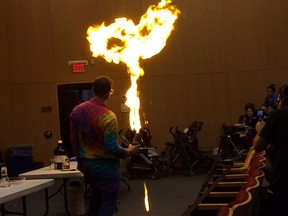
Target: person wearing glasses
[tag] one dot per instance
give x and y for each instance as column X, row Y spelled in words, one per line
column 94, row 130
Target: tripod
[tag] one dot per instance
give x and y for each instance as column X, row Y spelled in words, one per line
column 227, row 142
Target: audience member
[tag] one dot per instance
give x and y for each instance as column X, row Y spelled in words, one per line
column 273, row 134
column 271, row 97
column 248, row 121
column 264, row 107
column 247, row 106
column 271, row 109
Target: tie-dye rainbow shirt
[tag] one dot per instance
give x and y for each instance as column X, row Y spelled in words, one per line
column 94, row 130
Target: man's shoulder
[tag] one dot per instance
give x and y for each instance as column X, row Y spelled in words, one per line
column 80, row 105
column 281, row 111
column 278, row 116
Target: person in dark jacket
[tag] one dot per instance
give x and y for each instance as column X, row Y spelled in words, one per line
column 273, row 138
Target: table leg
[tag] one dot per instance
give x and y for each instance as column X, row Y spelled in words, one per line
column 64, row 186
column 2, row 210
column 24, row 206
column 66, row 195
column 46, row 202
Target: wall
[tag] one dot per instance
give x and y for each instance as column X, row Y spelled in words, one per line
column 222, row 54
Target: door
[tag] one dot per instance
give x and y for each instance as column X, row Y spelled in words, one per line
column 69, row 95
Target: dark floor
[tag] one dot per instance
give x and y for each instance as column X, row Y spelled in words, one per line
column 168, row 196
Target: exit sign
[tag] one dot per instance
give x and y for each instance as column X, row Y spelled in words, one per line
column 78, row 66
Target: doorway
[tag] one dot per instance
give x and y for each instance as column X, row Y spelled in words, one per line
column 69, row 95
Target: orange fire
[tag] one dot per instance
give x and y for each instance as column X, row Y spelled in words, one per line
column 146, row 202
column 123, row 41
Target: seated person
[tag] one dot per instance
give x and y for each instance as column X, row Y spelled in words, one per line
column 247, row 106
column 271, row 97
column 249, row 121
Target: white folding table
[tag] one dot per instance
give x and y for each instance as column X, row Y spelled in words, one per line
column 48, row 172
column 21, row 190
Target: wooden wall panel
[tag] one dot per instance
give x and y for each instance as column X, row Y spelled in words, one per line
column 276, row 33
column 164, row 101
column 4, row 66
column 246, row 87
column 30, row 122
column 244, row 35
column 29, row 37
column 203, row 36
column 209, row 103
column 278, row 77
column 69, row 36
column 6, row 118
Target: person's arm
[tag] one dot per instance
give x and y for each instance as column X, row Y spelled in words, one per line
column 259, row 142
column 110, row 139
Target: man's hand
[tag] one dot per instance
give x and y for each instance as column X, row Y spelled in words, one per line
column 133, row 149
column 259, row 126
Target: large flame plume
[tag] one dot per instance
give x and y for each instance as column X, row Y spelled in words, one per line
column 123, row 41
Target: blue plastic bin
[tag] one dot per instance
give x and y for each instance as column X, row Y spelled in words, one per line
column 20, row 159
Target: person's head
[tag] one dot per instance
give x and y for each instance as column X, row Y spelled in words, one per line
column 102, row 87
column 250, row 112
column 249, row 106
column 283, row 96
column 249, row 109
column 271, row 89
column 264, row 107
column 271, row 108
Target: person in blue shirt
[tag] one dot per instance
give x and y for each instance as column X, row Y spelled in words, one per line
column 94, row 130
column 271, row 97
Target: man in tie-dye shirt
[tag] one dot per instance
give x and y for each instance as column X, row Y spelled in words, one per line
column 94, row 130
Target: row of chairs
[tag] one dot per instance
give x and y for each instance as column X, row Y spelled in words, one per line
column 231, row 189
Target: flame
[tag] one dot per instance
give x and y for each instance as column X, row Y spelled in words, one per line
column 146, row 202
column 123, row 41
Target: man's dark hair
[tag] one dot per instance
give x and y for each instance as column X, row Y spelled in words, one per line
column 102, row 85
column 272, row 87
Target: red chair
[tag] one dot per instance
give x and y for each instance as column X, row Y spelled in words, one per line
column 242, row 205
column 225, row 211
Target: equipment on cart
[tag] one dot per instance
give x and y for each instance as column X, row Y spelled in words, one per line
column 230, row 140
column 147, row 162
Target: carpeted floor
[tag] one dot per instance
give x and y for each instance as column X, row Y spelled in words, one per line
column 168, row 196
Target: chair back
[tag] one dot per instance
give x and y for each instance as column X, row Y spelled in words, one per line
column 225, row 211
column 241, row 206
column 248, row 158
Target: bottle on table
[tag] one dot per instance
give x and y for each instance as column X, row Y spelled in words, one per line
column 60, row 156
